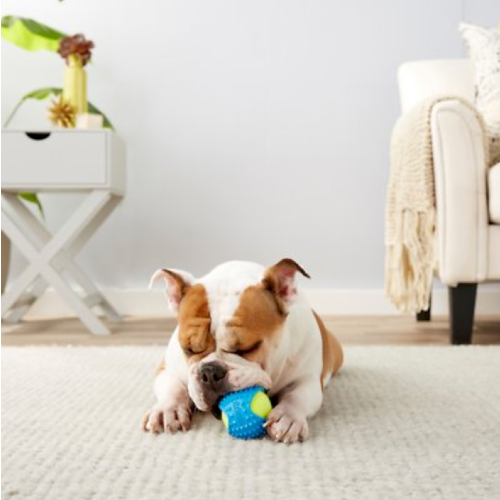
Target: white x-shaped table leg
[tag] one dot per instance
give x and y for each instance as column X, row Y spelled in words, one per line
column 50, row 256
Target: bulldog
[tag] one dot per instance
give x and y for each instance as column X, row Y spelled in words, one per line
column 243, row 325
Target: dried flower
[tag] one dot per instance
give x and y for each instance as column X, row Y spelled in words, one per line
column 62, row 113
column 76, row 46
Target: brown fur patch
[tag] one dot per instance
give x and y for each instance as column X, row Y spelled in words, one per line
column 257, row 318
column 194, row 324
column 332, row 351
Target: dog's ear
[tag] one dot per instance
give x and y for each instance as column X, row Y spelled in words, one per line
column 177, row 284
column 280, row 279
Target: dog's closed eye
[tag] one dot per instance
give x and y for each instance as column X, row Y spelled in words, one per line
column 189, row 351
column 245, row 350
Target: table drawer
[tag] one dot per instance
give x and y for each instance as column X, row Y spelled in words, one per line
column 56, row 158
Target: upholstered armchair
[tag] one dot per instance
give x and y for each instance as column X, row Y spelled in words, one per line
column 467, row 238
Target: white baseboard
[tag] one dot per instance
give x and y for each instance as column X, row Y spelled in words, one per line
column 324, row 301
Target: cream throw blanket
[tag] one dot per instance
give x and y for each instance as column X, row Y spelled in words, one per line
column 410, row 209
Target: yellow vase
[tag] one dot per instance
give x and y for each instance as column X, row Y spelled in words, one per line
column 75, row 85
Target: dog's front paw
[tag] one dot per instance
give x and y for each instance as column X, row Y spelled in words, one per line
column 287, row 425
column 168, row 418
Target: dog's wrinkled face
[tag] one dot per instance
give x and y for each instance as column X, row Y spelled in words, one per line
column 226, row 353
column 230, row 327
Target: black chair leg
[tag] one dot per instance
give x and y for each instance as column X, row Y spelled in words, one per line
column 462, row 301
column 425, row 315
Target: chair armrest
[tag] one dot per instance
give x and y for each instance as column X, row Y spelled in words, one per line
column 460, row 173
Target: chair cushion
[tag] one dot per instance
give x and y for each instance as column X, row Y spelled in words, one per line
column 494, row 193
column 484, row 50
column 493, row 273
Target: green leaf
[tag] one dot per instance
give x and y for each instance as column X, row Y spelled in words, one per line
column 29, row 34
column 42, row 30
column 41, row 94
column 32, row 198
column 44, row 93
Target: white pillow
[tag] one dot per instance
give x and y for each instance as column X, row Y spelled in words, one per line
column 484, row 50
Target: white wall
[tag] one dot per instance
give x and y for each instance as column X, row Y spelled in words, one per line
column 482, row 12
column 255, row 129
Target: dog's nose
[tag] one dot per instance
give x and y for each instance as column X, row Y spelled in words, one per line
column 212, row 374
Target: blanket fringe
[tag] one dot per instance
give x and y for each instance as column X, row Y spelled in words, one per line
column 409, row 262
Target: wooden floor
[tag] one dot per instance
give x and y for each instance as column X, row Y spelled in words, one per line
column 402, row 330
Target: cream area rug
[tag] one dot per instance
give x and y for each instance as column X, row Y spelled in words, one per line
column 398, row 423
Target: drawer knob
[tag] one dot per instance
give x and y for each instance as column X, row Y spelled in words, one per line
column 38, row 136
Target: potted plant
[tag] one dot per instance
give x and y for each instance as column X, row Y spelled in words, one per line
column 71, row 99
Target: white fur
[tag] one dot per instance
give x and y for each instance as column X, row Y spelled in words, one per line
column 224, row 286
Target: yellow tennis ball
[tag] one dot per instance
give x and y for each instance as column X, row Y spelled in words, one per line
column 261, row 404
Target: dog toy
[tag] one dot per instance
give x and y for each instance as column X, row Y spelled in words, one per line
column 244, row 412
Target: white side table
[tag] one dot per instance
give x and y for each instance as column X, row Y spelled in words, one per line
column 60, row 161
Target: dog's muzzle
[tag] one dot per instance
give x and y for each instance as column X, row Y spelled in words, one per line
column 213, row 382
